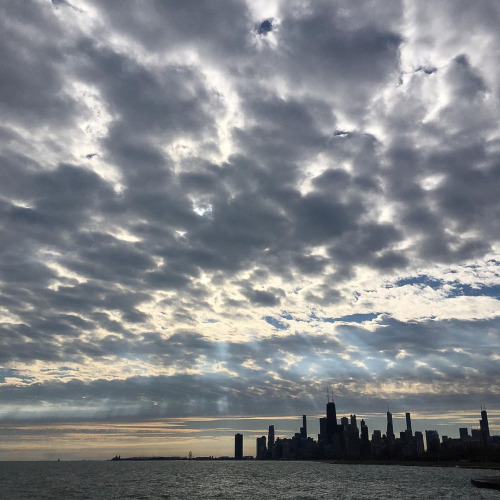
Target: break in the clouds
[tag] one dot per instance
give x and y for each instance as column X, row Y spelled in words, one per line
column 221, row 208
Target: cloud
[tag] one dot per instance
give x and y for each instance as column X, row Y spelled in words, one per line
column 221, row 208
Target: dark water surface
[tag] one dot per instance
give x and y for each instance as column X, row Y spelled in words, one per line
column 234, row 480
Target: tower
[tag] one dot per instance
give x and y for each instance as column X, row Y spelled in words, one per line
column 464, row 434
column 409, row 432
column 484, row 427
column 331, row 421
column 432, row 441
column 390, row 428
column 238, row 446
column 261, row 448
column 303, row 429
column 365, row 440
column 270, row 441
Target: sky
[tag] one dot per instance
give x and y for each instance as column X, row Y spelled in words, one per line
column 212, row 211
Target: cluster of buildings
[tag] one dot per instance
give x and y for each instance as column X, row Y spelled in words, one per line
column 346, row 440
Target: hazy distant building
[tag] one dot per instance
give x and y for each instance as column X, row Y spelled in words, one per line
column 261, row 448
column 238, row 446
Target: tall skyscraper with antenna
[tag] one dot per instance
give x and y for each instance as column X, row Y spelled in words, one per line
column 484, row 427
column 331, row 420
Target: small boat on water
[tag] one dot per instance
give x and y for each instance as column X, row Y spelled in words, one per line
column 492, row 482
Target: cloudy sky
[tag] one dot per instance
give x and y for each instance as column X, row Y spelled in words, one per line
column 216, row 209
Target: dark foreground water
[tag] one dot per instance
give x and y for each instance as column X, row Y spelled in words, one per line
column 234, row 480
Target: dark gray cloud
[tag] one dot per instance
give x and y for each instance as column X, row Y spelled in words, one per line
column 32, row 85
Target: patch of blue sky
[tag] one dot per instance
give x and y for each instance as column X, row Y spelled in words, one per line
column 350, row 318
column 289, row 317
column 279, row 325
column 13, row 373
column 460, row 289
column 422, row 279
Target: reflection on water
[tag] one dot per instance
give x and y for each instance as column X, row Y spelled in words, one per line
column 234, row 480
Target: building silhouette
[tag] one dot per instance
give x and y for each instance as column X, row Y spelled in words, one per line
column 390, row 428
column 484, row 427
column 349, row 440
column 464, row 434
column 270, row 442
column 331, row 422
column 303, row 429
column 432, row 441
column 261, row 448
column 365, row 441
column 408, row 424
column 419, row 443
column 238, row 446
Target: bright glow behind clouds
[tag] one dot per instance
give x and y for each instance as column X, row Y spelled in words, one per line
column 218, row 209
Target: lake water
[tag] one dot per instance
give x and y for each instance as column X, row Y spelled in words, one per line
column 234, row 480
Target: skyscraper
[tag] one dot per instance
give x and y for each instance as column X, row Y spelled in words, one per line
column 408, row 425
column 390, row 428
column 270, row 441
column 261, row 448
column 419, row 442
column 432, row 441
column 364, row 431
column 365, row 440
column 322, row 436
column 331, row 421
column 303, row 429
column 484, row 427
column 464, row 434
column 238, row 446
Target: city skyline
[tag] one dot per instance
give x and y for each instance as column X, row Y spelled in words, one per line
column 349, row 438
column 214, row 210
column 204, row 437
